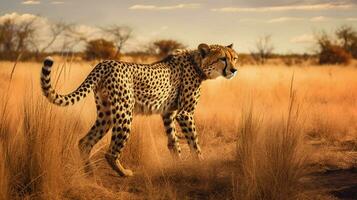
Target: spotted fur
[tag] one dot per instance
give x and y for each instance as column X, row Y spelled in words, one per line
column 170, row 87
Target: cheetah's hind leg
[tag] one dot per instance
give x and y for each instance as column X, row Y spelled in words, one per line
column 122, row 119
column 101, row 126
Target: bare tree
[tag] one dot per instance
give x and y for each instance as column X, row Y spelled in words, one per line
column 15, row 38
column 264, row 49
column 119, row 35
column 348, row 39
column 323, row 40
column 57, row 30
column 73, row 37
column 7, row 36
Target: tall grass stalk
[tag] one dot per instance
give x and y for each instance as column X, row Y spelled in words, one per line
column 36, row 148
column 270, row 161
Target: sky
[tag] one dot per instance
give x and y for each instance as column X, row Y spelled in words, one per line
column 291, row 23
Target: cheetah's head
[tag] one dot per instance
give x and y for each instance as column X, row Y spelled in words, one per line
column 217, row 60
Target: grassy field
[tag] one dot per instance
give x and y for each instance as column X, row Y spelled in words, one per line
column 273, row 132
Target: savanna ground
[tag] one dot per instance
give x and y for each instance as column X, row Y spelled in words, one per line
column 273, row 132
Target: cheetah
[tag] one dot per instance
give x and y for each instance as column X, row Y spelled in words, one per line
column 170, row 87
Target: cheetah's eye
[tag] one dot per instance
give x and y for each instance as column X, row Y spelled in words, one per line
column 223, row 59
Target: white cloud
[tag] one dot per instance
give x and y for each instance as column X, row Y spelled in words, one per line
column 21, row 18
column 31, row 2
column 172, row 7
column 319, row 19
column 312, row 7
column 284, row 19
column 304, row 38
column 352, row 19
column 57, row 2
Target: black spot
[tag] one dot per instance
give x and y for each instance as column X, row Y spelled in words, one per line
column 125, row 137
column 169, row 130
column 101, row 115
column 167, row 123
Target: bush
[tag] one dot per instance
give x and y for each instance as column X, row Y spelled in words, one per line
column 99, row 49
column 333, row 54
column 330, row 52
column 165, row 47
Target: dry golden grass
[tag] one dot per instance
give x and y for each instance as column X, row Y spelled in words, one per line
column 261, row 134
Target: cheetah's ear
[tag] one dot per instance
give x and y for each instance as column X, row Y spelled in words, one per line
column 230, row 46
column 203, row 49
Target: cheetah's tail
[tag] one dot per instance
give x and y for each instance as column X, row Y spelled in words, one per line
column 64, row 100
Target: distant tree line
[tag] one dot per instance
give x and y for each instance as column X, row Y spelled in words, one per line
column 21, row 41
column 338, row 48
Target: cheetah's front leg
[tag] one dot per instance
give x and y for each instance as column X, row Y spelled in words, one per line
column 187, row 125
column 172, row 142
